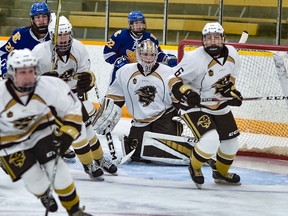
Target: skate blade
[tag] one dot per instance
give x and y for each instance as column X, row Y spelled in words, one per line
column 223, row 182
column 199, row 186
column 69, row 160
column 97, row 179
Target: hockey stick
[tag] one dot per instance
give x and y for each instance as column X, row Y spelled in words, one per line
column 247, row 98
column 108, row 135
column 52, row 180
column 55, row 36
column 244, row 37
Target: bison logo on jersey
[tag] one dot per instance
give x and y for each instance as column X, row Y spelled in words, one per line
column 23, row 122
column 204, row 121
column 67, row 75
column 17, row 159
column 146, row 94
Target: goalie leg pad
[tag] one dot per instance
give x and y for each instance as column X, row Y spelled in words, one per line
column 166, row 148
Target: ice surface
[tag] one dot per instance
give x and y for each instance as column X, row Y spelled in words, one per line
column 157, row 190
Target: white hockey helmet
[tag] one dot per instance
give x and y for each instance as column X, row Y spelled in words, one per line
column 146, row 54
column 213, row 38
column 20, row 59
column 214, row 27
column 65, row 27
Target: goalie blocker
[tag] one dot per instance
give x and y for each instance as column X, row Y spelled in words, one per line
column 162, row 148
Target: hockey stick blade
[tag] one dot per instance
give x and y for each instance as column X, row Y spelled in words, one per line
column 244, row 37
column 127, row 157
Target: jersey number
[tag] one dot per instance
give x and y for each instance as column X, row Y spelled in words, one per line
column 178, row 72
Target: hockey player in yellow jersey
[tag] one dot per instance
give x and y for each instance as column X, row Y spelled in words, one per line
column 30, row 146
column 73, row 66
column 210, row 71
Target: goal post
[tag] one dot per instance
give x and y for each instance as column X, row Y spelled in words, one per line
column 263, row 124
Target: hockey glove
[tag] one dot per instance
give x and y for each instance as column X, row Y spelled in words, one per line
column 227, row 89
column 120, row 62
column 86, row 81
column 64, row 138
column 185, row 94
column 170, row 60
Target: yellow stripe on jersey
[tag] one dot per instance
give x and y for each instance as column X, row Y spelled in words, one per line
column 148, row 120
column 18, row 137
column 173, row 81
column 77, row 119
column 115, row 97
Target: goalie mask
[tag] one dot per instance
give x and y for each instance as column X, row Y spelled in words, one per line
column 146, row 54
column 65, row 37
column 40, row 16
column 137, row 23
column 213, row 38
column 22, row 70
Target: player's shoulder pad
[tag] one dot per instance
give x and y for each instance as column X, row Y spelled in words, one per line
column 21, row 30
column 152, row 37
column 120, row 34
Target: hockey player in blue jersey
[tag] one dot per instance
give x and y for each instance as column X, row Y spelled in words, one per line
column 28, row 37
column 121, row 47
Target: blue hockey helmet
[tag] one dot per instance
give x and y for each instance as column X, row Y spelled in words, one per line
column 39, row 8
column 134, row 16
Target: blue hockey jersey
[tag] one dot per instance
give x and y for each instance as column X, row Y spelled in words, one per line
column 22, row 38
column 121, row 43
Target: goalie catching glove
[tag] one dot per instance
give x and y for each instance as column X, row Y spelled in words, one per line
column 86, row 81
column 107, row 116
column 185, row 94
column 64, row 137
column 226, row 88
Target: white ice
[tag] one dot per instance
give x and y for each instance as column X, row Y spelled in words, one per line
column 157, row 190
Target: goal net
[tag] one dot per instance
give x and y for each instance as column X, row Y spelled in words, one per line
column 263, row 124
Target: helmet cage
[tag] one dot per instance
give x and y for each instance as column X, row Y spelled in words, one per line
column 146, row 54
column 64, row 28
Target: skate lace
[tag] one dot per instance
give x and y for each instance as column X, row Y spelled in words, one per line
column 229, row 175
column 80, row 212
column 44, row 199
column 104, row 162
column 198, row 172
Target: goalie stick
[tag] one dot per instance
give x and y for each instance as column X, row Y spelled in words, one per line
column 108, row 135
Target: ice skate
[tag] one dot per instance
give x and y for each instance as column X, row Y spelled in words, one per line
column 95, row 172
column 229, row 178
column 69, row 156
column 53, row 207
column 80, row 212
column 107, row 165
column 197, row 176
